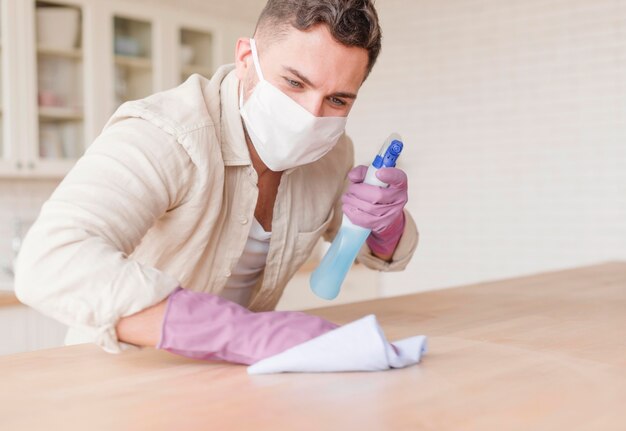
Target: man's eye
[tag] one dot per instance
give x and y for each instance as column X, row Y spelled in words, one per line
column 294, row 84
column 337, row 102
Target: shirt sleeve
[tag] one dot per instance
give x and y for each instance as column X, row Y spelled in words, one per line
column 74, row 263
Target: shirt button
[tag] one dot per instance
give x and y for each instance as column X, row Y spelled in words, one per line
column 243, row 220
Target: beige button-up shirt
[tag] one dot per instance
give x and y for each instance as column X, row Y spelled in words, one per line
column 165, row 196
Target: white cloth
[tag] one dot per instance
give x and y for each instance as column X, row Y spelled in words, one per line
column 249, row 267
column 358, row 346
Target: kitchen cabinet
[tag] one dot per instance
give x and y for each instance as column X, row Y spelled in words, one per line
column 57, row 60
column 67, row 65
column 132, row 48
column 23, row 329
column 195, row 52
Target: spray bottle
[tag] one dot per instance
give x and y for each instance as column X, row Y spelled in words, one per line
column 327, row 278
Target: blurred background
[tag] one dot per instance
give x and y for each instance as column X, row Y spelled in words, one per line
column 513, row 114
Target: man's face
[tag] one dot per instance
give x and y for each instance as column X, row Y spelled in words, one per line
column 316, row 71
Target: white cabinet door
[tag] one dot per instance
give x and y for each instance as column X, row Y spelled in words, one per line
column 196, row 49
column 66, row 65
column 23, row 329
column 133, row 53
column 45, row 119
column 11, row 88
column 55, row 70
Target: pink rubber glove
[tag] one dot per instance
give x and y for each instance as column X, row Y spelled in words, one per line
column 205, row 326
column 377, row 208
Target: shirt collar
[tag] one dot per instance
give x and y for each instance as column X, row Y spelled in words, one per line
column 234, row 149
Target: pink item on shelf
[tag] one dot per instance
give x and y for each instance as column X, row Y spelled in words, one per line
column 48, row 98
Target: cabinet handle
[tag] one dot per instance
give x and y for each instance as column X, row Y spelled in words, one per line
column 31, row 165
column 18, row 165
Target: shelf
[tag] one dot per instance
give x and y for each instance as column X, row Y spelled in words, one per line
column 59, row 113
column 133, row 62
column 190, row 69
column 74, row 54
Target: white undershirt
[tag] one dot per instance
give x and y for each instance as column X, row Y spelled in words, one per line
column 249, row 267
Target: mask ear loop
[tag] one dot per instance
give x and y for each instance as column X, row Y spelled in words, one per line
column 257, row 67
column 255, row 59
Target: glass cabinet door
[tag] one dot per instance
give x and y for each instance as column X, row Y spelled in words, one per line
column 60, row 100
column 132, row 44
column 196, row 53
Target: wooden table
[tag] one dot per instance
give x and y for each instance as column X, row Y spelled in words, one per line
column 544, row 352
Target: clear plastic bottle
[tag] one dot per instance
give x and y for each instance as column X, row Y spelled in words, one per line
column 327, row 278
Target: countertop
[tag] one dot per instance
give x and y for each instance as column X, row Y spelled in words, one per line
column 8, row 298
column 541, row 352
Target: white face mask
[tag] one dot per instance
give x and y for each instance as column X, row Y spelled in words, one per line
column 285, row 134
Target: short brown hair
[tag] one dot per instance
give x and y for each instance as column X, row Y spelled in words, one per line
column 350, row 22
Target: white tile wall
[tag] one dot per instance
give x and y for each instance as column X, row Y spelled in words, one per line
column 514, row 115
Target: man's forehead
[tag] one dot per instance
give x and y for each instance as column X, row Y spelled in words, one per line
column 316, row 55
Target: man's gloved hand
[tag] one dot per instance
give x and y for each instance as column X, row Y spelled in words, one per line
column 205, row 326
column 377, row 208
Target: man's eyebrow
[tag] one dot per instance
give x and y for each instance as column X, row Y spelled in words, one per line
column 308, row 82
column 344, row 95
column 300, row 76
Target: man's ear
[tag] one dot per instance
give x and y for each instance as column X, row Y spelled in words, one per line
column 242, row 57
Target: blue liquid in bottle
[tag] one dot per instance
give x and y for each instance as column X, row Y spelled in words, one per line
column 327, row 278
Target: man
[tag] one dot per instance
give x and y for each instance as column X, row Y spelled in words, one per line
column 183, row 222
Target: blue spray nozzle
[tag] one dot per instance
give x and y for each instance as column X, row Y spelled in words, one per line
column 388, row 155
column 392, row 154
column 396, row 147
